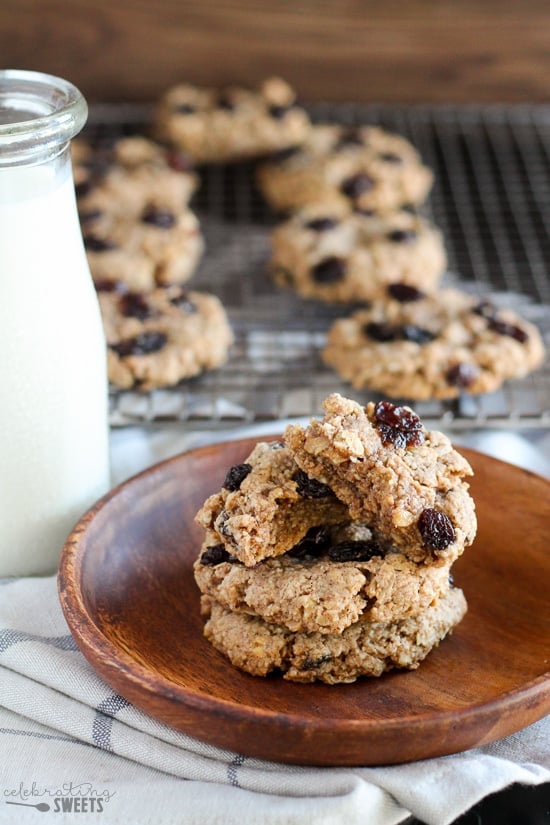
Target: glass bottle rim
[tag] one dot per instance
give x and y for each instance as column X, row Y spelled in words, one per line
column 39, row 114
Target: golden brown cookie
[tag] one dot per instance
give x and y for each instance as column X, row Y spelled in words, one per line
column 364, row 166
column 333, row 577
column 161, row 337
column 436, row 346
column 406, row 483
column 266, row 505
column 363, row 649
column 332, row 253
column 231, row 124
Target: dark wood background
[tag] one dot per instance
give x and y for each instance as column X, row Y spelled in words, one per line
column 379, row 50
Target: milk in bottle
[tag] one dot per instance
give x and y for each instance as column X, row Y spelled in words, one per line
column 53, row 385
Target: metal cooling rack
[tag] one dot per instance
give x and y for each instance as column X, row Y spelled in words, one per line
column 492, row 201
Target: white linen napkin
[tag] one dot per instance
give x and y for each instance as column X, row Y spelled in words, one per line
column 70, row 744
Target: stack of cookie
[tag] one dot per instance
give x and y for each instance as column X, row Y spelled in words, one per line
column 143, row 243
column 328, row 556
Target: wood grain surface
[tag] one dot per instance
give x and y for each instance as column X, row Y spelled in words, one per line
column 127, row 591
column 414, row 51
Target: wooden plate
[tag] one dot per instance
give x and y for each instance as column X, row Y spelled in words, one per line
column 128, row 594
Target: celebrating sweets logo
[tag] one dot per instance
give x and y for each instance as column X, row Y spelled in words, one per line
column 67, row 798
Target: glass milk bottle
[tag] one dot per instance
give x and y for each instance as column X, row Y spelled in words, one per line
column 53, row 384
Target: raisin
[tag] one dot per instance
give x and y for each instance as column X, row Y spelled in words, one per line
column 89, row 216
column 309, row 487
column 461, row 375
column 178, row 161
column 390, row 157
column 142, row 344
column 135, row 305
column 83, row 188
column 321, row 224
column 235, row 476
column 404, row 293
column 399, row 438
column 354, row 551
column 215, row 554
column 309, row 664
column 278, row 112
column 381, row 331
column 436, row 529
column 504, row 328
column 185, row 109
column 225, row 102
column 366, row 213
column 159, row 217
column 313, row 544
column 329, row 270
column 222, row 525
column 485, row 308
column 398, row 425
column 95, row 244
column 357, row 185
column 107, row 285
column 402, row 235
column 418, row 335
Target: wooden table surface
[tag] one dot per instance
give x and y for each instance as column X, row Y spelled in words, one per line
column 390, row 51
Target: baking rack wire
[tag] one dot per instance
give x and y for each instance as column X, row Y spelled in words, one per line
column 491, row 199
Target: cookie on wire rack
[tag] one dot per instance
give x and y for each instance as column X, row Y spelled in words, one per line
column 231, row 124
column 365, row 166
column 329, row 252
column 432, row 346
column 133, row 197
column 159, row 338
column 128, row 174
column 159, row 247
